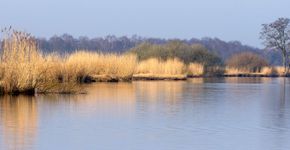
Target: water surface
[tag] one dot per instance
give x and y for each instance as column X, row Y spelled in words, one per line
column 203, row 114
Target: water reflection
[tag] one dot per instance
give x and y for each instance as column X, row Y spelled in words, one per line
column 275, row 115
column 108, row 97
column 150, row 90
column 209, row 113
column 18, row 122
column 234, row 80
column 283, row 92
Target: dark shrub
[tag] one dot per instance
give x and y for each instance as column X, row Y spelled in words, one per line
column 247, row 61
column 188, row 53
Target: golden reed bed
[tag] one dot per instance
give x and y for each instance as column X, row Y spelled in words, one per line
column 24, row 69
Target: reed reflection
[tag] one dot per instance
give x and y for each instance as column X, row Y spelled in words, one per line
column 275, row 113
column 19, row 121
column 100, row 97
column 283, row 92
column 169, row 91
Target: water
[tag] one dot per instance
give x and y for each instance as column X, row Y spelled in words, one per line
column 203, row 114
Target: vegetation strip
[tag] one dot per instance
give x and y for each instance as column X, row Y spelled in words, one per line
column 24, row 69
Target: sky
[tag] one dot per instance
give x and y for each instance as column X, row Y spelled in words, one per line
column 225, row 19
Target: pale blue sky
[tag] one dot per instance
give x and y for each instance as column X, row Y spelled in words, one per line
column 226, row 19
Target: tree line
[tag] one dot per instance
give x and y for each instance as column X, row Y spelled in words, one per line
column 67, row 43
column 276, row 37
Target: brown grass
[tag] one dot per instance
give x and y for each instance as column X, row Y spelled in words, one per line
column 264, row 71
column 235, row 71
column 158, row 69
column 90, row 64
column 246, row 62
column 20, row 63
column 196, row 69
column 269, row 71
column 281, row 71
column 23, row 69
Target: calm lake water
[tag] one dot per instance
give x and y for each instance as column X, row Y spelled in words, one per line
column 201, row 114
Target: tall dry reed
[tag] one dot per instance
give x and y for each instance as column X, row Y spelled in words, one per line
column 156, row 68
column 84, row 64
column 20, row 62
column 281, row 71
column 264, row 71
column 24, row 69
column 196, row 69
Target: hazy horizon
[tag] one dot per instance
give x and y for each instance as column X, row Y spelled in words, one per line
column 185, row 19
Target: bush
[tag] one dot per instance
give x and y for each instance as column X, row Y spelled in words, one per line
column 247, row 61
column 176, row 49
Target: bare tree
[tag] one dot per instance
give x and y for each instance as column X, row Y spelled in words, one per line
column 276, row 35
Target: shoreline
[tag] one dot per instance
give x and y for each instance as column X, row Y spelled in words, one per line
column 112, row 79
column 150, row 77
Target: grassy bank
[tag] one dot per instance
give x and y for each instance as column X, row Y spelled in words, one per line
column 277, row 71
